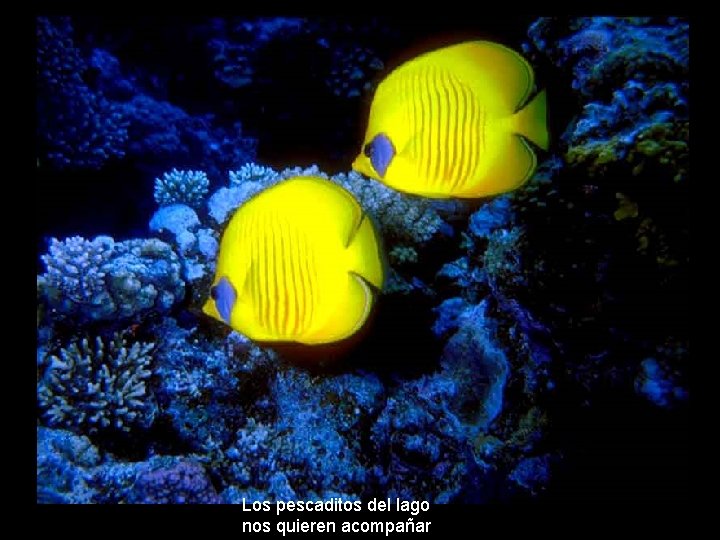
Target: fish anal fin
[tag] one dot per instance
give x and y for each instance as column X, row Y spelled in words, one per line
column 349, row 316
column 363, row 251
column 513, row 170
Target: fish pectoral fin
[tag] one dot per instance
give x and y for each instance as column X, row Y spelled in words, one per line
column 513, row 165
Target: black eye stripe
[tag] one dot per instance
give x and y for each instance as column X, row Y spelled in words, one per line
column 368, row 149
column 214, row 292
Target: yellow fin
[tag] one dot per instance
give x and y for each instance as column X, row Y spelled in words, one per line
column 499, row 76
column 363, row 252
column 508, row 172
column 531, row 121
column 349, row 317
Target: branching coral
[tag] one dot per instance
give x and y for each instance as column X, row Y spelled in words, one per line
column 252, row 172
column 75, row 267
column 185, row 187
column 92, row 385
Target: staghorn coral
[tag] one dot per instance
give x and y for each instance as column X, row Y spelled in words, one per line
column 75, row 267
column 184, row 187
column 252, row 172
column 91, row 385
column 101, row 279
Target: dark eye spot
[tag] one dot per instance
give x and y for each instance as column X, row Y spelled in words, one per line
column 214, row 292
column 368, row 149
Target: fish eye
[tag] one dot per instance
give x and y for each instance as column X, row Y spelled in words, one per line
column 367, row 150
column 214, row 292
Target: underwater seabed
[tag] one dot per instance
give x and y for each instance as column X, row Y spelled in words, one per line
column 528, row 346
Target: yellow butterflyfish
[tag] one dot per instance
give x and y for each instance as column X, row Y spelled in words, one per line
column 299, row 262
column 456, row 122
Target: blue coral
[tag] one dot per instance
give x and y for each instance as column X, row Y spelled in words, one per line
column 183, row 482
column 101, row 279
column 402, row 219
column 197, row 246
column 92, row 385
column 234, row 51
column 63, row 460
column 78, row 127
column 632, row 75
column 181, row 187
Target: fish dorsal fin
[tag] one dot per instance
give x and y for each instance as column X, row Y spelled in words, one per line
column 500, row 77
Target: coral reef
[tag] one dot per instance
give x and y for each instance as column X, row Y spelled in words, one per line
column 499, row 320
column 235, row 54
column 181, row 187
column 162, row 133
column 77, row 126
column 239, row 46
column 408, row 224
column 353, row 69
column 197, row 246
column 101, row 279
column 184, row 482
column 91, row 385
column 605, row 249
column 62, row 462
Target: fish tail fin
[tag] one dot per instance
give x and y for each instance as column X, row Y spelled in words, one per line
column 531, row 121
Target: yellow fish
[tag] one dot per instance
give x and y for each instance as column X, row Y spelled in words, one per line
column 298, row 262
column 454, row 123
